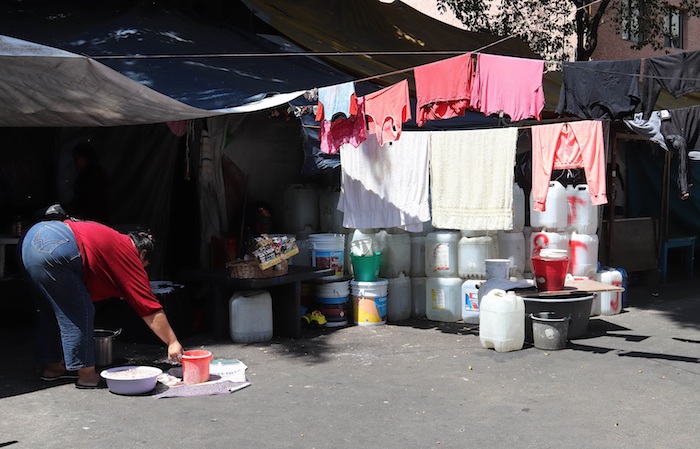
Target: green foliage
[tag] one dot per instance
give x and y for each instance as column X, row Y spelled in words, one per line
column 547, row 25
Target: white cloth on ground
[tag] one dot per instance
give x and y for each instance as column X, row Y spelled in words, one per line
column 384, row 186
column 471, row 180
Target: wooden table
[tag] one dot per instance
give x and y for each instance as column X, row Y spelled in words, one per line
column 284, row 290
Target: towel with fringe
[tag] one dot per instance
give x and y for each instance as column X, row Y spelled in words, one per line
column 471, row 178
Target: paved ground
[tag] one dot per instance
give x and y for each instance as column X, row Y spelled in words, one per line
column 632, row 382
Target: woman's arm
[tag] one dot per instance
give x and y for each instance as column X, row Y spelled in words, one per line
column 160, row 326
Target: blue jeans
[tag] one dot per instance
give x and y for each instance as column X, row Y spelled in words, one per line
column 65, row 312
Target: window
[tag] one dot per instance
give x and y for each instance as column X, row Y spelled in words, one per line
column 673, row 28
column 631, row 15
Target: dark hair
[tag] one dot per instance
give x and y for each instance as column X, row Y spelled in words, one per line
column 143, row 240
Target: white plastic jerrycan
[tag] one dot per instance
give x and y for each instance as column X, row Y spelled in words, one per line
column 502, row 321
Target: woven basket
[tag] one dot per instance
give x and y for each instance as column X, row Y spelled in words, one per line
column 250, row 269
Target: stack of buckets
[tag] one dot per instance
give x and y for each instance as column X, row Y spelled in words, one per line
column 332, row 294
column 369, row 292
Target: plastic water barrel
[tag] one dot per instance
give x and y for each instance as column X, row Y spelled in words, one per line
column 443, row 299
column 583, row 215
column 441, row 248
column 330, row 219
column 418, row 297
column 472, row 251
column 398, row 305
column 583, row 253
column 328, row 251
column 512, row 246
column 250, row 314
column 610, row 302
column 395, row 247
column 300, row 208
column 331, row 300
column 417, row 256
column 470, row 303
column 554, row 217
column 519, row 206
column 369, row 302
column 502, row 321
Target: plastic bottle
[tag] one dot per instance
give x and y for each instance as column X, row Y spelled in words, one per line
column 441, row 254
column 512, row 246
column 398, row 300
column 554, row 217
column 472, row 251
column 443, row 299
column 470, row 303
column 395, row 247
column 502, row 321
column 418, row 300
column 518, row 208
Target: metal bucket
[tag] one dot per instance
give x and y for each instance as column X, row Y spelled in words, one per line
column 550, row 330
column 104, row 339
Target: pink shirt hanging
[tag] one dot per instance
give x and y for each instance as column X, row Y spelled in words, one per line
column 511, row 85
column 352, row 130
column 386, row 110
column 443, row 88
column 568, row 145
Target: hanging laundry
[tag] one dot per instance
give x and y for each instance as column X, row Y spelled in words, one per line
column 682, row 134
column 562, row 146
column 386, row 110
column 678, row 73
column 315, row 161
column 471, row 178
column 443, row 88
column 336, row 99
column 511, row 85
column 600, row 89
column 651, row 129
column 385, row 186
column 352, row 130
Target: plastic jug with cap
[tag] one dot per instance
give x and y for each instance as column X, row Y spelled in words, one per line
column 555, row 215
column 502, row 321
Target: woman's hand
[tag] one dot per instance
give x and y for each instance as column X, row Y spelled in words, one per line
column 175, row 352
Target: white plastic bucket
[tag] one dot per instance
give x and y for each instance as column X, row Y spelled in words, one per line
column 471, row 253
column 470, row 304
column 418, row 296
column 369, row 302
column 250, row 314
column 583, row 250
column 512, row 246
column 554, row 217
column 395, row 247
column 398, row 299
column 443, row 299
column 502, row 321
column 328, row 251
column 332, row 301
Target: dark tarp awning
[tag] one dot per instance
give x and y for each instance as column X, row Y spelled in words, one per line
column 144, row 65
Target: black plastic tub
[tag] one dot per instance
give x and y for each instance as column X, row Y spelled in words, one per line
column 578, row 305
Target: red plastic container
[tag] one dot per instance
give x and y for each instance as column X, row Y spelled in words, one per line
column 550, row 274
column 195, row 366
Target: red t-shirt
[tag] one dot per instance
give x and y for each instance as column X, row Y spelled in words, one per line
column 112, row 267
